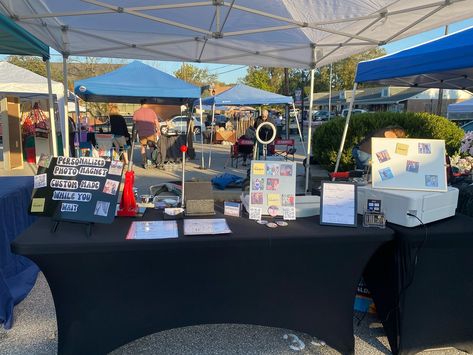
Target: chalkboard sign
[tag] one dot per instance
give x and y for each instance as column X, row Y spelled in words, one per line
column 81, row 189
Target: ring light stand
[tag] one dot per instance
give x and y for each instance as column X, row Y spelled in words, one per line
column 265, row 142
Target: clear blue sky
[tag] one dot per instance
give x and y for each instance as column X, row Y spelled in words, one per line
column 231, row 73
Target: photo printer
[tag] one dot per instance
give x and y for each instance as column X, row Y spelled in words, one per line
column 428, row 206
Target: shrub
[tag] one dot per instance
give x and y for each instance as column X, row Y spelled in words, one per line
column 327, row 137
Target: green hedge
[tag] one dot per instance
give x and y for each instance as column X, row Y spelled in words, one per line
column 326, row 138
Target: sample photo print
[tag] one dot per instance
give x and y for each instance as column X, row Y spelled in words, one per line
column 402, row 149
column 386, row 174
column 431, row 181
column 101, row 208
column 412, row 166
column 425, row 148
column 272, row 169
column 258, row 184
column 272, row 184
column 288, row 200
column 111, row 187
column 257, row 198
column 383, row 156
column 286, row 170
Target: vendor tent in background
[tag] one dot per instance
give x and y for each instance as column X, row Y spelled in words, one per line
column 272, row 33
column 460, row 111
column 445, row 63
column 136, row 81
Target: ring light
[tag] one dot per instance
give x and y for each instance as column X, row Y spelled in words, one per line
column 273, row 137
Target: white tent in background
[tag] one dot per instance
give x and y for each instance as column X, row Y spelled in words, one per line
column 460, row 110
column 273, row 33
column 25, row 84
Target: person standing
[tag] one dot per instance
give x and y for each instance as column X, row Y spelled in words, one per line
column 147, row 126
column 265, row 132
column 121, row 136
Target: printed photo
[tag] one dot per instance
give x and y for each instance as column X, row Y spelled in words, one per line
column 257, row 184
column 274, row 200
column 386, row 174
column 288, row 200
column 256, row 198
column 44, row 160
column 272, row 184
column 273, row 210
column 412, row 166
column 431, row 181
column 272, row 169
column 111, row 187
column 286, row 170
column 116, row 167
column 40, row 181
column 425, row 148
column 402, row 149
column 383, row 156
column 101, row 208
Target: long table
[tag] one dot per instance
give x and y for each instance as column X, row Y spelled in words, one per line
column 17, row 274
column 109, row 291
column 422, row 285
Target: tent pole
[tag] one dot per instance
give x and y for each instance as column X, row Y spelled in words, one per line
column 345, row 130
column 330, row 94
column 52, row 117
column 309, row 132
column 202, row 163
column 211, row 133
column 65, row 139
column 299, row 127
column 76, row 133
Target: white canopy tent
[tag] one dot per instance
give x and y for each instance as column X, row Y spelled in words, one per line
column 460, row 110
column 274, row 33
column 23, row 83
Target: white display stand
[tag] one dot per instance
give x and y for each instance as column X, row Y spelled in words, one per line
column 408, row 164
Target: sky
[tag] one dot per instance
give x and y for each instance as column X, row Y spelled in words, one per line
column 232, row 73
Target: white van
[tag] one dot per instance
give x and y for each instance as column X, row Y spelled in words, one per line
column 355, row 111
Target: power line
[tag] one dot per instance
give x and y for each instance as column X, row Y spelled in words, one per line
column 228, row 71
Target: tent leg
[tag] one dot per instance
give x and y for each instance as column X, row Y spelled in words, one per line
column 52, row 118
column 299, row 128
column 211, row 134
column 76, row 132
column 330, row 93
column 345, row 130
column 202, row 163
column 65, row 139
column 309, row 132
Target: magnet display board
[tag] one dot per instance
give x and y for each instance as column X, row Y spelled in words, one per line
column 273, row 189
column 77, row 189
column 408, row 164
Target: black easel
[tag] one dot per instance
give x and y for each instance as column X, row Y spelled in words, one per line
column 88, row 226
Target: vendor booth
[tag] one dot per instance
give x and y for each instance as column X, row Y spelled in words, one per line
column 134, row 82
column 416, row 310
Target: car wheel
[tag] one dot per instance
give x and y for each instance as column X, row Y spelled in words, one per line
column 196, row 130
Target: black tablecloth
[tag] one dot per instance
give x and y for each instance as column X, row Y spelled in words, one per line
column 17, row 274
column 428, row 304
column 109, row 291
column 169, row 148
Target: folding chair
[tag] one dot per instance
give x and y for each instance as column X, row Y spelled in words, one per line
column 284, row 148
column 242, row 149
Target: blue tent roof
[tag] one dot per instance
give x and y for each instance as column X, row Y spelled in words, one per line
column 15, row 40
column 134, row 82
column 245, row 95
column 446, row 62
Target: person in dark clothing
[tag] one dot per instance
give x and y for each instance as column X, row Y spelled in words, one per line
column 121, row 136
column 72, row 137
column 265, row 132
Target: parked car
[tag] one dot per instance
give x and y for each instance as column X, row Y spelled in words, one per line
column 355, row 111
column 468, row 127
column 179, row 123
column 323, row 115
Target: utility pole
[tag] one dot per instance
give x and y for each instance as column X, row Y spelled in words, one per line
column 440, row 98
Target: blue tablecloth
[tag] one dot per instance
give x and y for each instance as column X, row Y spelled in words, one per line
column 17, row 273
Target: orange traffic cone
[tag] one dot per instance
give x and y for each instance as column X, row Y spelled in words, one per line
column 128, row 206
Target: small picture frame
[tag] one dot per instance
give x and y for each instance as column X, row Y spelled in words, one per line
column 338, row 203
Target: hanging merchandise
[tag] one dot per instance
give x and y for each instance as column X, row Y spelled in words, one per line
column 35, row 123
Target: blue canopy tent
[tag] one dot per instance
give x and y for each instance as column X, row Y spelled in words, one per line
column 134, row 82
column 446, row 63
column 241, row 95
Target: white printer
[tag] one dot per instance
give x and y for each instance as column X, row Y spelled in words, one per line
column 396, row 204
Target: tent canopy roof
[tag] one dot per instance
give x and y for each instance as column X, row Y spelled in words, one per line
column 464, row 106
column 24, row 83
column 274, row 33
column 134, row 82
column 446, row 62
column 241, row 94
column 15, row 40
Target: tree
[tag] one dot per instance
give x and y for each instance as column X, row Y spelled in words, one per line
column 269, row 79
column 194, row 75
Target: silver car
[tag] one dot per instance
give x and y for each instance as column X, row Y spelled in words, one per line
column 179, row 123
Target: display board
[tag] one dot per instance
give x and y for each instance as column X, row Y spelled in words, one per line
column 77, row 189
column 408, row 164
column 273, row 189
column 338, row 204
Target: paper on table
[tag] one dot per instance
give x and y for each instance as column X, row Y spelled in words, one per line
column 206, row 226
column 153, row 230
column 338, row 203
